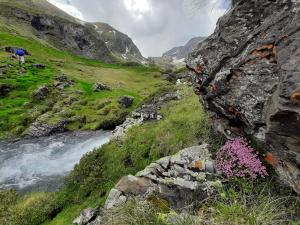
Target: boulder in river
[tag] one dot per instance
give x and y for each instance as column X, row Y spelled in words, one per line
column 40, row 128
column 248, row 76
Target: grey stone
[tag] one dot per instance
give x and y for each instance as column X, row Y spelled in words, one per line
column 86, row 216
column 126, row 101
column 115, row 198
column 41, row 93
column 100, row 87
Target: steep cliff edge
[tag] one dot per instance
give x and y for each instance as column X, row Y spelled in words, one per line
column 248, row 76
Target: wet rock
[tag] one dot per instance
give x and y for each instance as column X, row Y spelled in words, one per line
column 41, row 93
column 86, row 216
column 40, row 128
column 100, row 87
column 123, row 128
column 126, row 101
column 248, row 76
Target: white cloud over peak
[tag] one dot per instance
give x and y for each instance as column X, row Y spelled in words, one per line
column 154, row 25
column 68, row 8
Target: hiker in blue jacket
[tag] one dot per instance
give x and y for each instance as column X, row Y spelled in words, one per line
column 20, row 53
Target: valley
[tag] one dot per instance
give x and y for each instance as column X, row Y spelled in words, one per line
column 94, row 133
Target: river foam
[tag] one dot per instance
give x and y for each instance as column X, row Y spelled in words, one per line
column 40, row 164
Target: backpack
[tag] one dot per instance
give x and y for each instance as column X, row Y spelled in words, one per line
column 20, row 52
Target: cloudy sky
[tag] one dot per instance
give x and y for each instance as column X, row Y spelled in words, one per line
column 154, row 25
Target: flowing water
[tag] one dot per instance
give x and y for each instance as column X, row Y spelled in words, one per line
column 41, row 164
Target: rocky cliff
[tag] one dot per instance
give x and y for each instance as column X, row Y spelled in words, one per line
column 118, row 43
column 248, row 76
column 182, row 52
column 43, row 21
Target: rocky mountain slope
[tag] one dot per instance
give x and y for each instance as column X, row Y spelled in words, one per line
column 181, row 52
column 247, row 74
column 177, row 55
column 118, row 43
column 46, row 23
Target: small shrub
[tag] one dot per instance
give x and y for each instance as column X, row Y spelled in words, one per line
column 134, row 212
column 237, row 159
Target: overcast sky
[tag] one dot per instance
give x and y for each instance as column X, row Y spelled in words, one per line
column 154, row 25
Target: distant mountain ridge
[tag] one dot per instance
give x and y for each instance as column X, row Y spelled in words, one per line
column 182, row 52
column 43, row 21
column 177, row 55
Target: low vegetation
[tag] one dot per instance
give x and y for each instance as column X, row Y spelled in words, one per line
column 85, row 109
column 90, row 181
column 241, row 202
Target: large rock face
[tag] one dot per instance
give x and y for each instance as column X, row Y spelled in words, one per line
column 248, row 75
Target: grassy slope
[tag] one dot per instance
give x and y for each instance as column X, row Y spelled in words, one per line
column 18, row 109
column 88, row 185
column 99, row 171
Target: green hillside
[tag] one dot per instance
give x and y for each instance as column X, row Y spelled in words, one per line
column 87, row 109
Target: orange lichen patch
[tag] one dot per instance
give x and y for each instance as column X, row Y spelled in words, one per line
column 271, row 159
column 200, row 69
column 295, row 97
column 250, row 62
column 263, row 35
column 285, row 37
column 234, row 112
column 199, row 164
column 265, row 52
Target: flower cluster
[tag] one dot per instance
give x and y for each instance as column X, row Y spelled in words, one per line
column 237, row 159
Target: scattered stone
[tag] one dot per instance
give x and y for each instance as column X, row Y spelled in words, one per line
column 41, row 93
column 151, row 111
column 39, row 66
column 62, row 81
column 5, row 89
column 122, row 129
column 172, row 179
column 100, row 87
column 126, row 101
column 41, row 127
column 86, row 216
column 114, row 199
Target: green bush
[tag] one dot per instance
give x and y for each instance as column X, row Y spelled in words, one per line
column 35, row 209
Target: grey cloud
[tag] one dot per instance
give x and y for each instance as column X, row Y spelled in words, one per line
column 170, row 22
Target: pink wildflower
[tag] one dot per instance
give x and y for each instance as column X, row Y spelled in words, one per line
column 237, row 158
